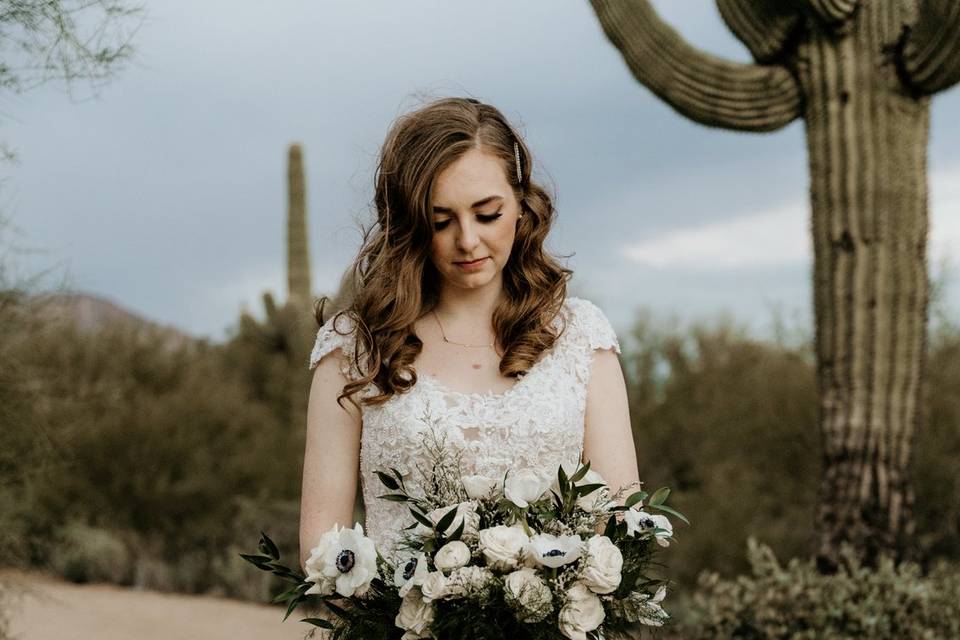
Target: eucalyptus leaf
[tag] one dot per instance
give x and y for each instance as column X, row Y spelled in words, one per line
column 422, row 519
column 268, row 547
column 673, row 512
column 578, row 476
column 659, row 496
column 634, row 498
column 394, row 497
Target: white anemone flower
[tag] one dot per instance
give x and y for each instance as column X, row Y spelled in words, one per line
column 554, row 551
column 411, row 573
column 345, row 560
column 639, row 521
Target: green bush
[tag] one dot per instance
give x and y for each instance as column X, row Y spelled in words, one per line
column 88, row 554
column 796, row 602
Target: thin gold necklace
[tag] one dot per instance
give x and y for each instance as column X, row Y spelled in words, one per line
column 445, row 339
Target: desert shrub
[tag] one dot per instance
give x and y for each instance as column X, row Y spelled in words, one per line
column 796, row 602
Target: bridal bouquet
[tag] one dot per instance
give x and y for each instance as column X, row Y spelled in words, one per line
column 521, row 556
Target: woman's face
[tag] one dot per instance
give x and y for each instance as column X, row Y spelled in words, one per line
column 475, row 217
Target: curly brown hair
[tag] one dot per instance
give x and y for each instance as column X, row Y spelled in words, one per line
column 395, row 282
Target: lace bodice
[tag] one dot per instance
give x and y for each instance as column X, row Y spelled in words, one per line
column 536, row 424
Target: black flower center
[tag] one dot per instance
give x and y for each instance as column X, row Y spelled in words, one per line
column 648, row 523
column 345, row 561
column 409, row 568
column 553, row 553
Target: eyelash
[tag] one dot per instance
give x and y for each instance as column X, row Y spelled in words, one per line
column 486, row 219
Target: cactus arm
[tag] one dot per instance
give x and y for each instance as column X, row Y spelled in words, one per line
column 833, row 12
column 764, row 26
column 930, row 55
column 702, row 87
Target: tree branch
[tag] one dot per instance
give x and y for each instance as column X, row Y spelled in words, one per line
column 764, row 26
column 703, row 87
column 930, row 53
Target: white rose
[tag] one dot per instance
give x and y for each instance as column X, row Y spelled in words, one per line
column 415, row 615
column 453, row 555
column 410, row 573
column 479, row 487
column 466, row 513
column 345, row 557
column 503, row 546
column 554, row 551
column 526, row 592
column 524, row 486
column 581, row 613
column 603, row 565
column 435, row 586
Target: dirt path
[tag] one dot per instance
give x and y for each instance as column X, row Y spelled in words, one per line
column 51, row 609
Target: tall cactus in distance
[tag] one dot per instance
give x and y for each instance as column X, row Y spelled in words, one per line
column 298, row 251
column 859, row 73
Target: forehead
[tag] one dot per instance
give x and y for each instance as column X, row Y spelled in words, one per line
column 474, row 175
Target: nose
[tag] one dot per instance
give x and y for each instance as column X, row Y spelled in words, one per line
column 467, row 238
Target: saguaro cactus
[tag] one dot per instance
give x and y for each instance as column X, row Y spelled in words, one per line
column 298, row 253
column 860, row 74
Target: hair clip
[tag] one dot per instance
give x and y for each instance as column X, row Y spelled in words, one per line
column 516, row 154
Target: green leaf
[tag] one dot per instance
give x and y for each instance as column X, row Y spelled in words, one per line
column 389, row 482
column 318, row 622
column 611, row 527
column 459, row 530
column 343, row 614
column 422, row 519
column 562, row 480
column 673, row 512
column 634, row 498
column 268, row 547
column 394, row 497
column 293, row 605
column 659, row 496
column 260, row 562
column 446, row 520
column 581, row 472
column 586, row 489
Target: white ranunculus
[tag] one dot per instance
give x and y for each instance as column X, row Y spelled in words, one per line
column 415, row 615
column 602, row 566
column 524, row 486
column 655, row 614
column 467, row 581
column 582, row 612
column 479, row 487
column 466, row 513
column 554, row 551
column 410, row 572
column 528, row 594
column 453, row 555
column 345, row 559
column 590, row 501
column 435, row 586
column 503, row 546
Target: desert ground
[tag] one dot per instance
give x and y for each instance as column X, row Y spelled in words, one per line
column 51, row 609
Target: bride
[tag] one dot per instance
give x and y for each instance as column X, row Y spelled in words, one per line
column 459, row 329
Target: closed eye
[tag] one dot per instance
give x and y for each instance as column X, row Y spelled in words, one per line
column 485, row 219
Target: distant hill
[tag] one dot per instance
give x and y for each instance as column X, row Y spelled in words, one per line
column 87, row 312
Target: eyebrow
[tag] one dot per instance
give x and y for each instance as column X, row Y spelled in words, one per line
column 478, row 203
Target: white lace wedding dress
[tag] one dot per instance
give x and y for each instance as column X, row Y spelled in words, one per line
column 536, row 424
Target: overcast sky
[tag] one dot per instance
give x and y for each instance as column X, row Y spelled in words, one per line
column 166, row 192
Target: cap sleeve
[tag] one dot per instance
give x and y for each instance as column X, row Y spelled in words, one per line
column 595, row 328
column 339, row 332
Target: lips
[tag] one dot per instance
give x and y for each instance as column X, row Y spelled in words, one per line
column 477, row 261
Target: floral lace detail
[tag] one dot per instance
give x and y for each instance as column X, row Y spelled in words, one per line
column 537, row 423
